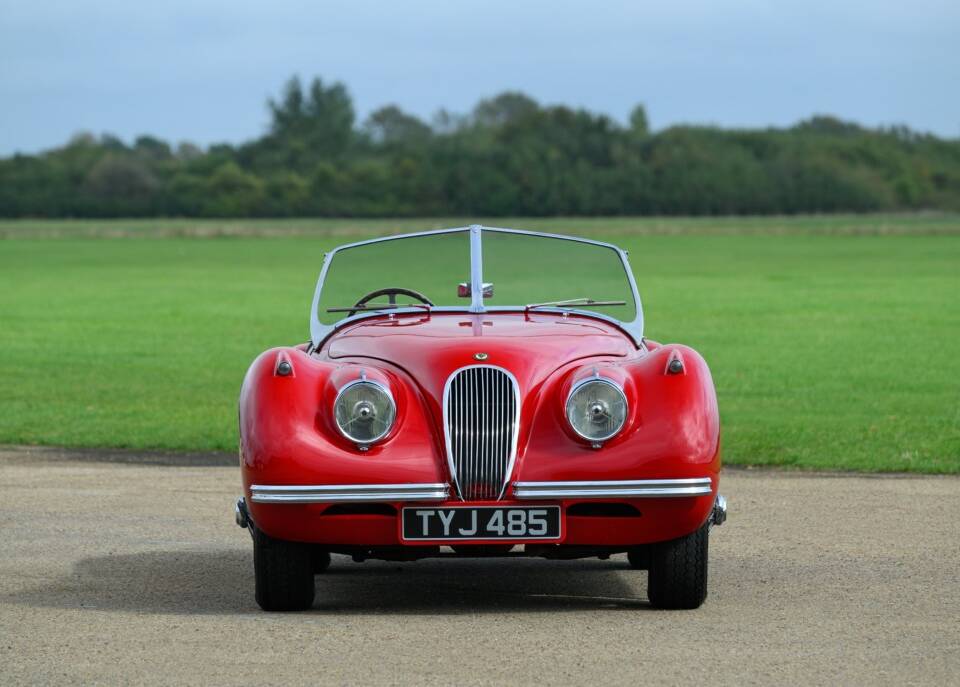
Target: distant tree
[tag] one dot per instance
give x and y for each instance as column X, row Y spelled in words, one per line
column 231, row 192
column 826, row 124
column 187, row 193
column 639, row 124
column 316, row 124
column 392, row 126
column 446, row 122
column 120, row 177
column 77, row 157
column 187, row 151
column 327, row 193
column 82, row 138
column 286, row 194
column 509, row 106
column 152, row 148
column 289, row 112
column 111, row 142
column 118, row 184
column 507, row 156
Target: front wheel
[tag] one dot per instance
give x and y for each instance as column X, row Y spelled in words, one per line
column 678, row 571
column 283, row 572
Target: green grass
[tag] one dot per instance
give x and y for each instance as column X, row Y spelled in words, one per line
column 926, row 223
column 830, row 347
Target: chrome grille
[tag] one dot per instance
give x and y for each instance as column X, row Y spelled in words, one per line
column 481, row 412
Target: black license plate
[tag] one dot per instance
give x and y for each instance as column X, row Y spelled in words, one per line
column 481, row 522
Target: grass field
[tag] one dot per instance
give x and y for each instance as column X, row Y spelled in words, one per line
column 927, row 224
column 834, row 341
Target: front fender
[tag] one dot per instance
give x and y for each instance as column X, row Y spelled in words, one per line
column 672, row 429
column 287, row 436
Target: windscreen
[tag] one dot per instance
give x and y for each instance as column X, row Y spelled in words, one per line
column 527, row 268
column 522, row 269
column 432, row 265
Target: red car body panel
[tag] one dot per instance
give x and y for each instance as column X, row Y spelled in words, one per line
column 288, row 435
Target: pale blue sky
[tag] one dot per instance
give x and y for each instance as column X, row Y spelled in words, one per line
column 201, row 70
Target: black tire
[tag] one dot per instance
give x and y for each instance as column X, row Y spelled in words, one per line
column 639, row 557
column 678, row 572
column 320, row 560
column 283, row 572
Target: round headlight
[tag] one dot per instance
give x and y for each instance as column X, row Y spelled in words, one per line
column 596, row 409
column 364, row 411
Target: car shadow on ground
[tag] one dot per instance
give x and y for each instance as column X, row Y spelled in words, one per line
column 221, row 582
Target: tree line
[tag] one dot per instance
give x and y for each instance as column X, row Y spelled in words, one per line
column 509, row 156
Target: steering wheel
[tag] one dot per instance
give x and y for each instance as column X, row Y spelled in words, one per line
column 391, row 292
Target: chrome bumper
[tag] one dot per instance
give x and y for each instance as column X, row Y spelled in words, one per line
column 441, row 492
column 643, row 488
column 325, row 493
column 240, row 512
column 719, row 514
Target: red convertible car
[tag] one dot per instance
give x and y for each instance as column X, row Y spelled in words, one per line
column 479, row 392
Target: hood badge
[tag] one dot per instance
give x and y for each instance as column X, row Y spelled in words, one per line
column 480, row 356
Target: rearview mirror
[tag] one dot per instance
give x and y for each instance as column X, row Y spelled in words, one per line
column 463, row 290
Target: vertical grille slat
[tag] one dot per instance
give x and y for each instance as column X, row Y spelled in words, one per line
column 481, row 412
column 488, row 400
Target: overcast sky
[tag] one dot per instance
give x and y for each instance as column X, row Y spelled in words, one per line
column 201, row 70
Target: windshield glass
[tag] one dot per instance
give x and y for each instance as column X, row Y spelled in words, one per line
column 431, row 265
column 527, row 268
column 518, row 269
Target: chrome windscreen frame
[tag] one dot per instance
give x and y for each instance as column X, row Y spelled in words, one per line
column 319, row 331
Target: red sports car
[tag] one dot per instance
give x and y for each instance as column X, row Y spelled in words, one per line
column 479, row 392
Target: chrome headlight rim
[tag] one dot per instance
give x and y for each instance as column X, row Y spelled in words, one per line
column 385, row 390
column 596, row 379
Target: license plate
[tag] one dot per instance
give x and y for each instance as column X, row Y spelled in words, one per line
column 481, row 522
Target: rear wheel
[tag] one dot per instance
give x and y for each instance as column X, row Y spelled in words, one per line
column 678, row 571
column 284, row 572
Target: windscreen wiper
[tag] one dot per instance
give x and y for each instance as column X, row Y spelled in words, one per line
column 571, row 303
column 385, row 306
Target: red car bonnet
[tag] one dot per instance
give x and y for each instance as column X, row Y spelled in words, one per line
column 531, row 346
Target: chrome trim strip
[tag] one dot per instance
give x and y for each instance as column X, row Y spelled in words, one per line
column 394, row 237
column 323, row 493
column 643, row 488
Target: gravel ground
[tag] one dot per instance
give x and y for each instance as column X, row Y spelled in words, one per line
column 132, row 571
